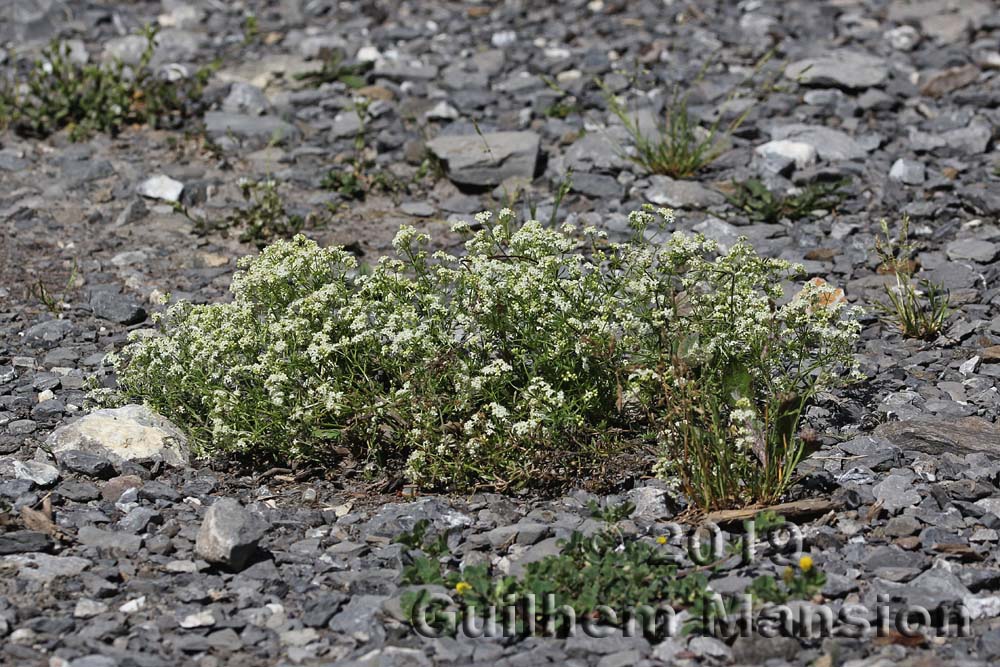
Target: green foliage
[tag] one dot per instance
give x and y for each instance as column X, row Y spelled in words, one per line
column 589, row 575
column 265, row 219
column 59, row 93
column 610, row 513
column 759, row 204
column 678, row 146
column 528, row 359
column 251, row 29
column 361, row 175
column 335, row 69
column 919, row 313
column 416, row 539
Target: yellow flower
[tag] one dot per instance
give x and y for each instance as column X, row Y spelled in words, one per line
column 805, row 563
column 463, row 587
column 788, row 575
column 661, row 539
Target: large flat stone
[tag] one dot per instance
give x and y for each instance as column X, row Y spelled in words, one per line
column 489, row 159
column 937, row 436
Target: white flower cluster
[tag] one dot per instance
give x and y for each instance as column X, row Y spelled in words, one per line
column 496, row 365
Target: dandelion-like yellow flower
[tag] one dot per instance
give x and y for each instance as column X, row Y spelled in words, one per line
column 463, row 587
column 805, row 563
column 788, row 575
column 661, row 539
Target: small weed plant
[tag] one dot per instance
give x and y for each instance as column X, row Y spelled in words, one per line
column 679, row 146
column 919, row 310
column 264, row 219
column 336, row 69
column 59, row 93
column 529, row 359
column 592, row 576
column 753, row 199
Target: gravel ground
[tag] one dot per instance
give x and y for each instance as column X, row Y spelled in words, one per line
column 173, row 561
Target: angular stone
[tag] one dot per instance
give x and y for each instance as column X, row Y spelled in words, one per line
column 128, row 433
column 24, row 541
column 830, row 144
column 161, row 187
column 942, row 436
column 86, row 463
column 44, row 568
column 109, row 540
column 909, row 172
column 229, row 534
column 42, row 474
column 840, row 68
column 665, row 191
column 941, row 83
column 116, row 307
column 801, row 153
column 979, row 251
column 246, row 98
column 896, row 492
column 489, row 159
column 261, row 129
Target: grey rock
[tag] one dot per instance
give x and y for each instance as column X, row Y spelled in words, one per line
column 830, row 144
column 489, row 159
column 345, row 124
column 229, row 534
column 86, row 463
column 246, row 98
column 358, row 615
column 318, row 612
column 976, row 250
column 666, row 191
column 255, row 129
column 24, row 541
column 80, row 492
column 138, row 519
column 116, row 307
column 43, row 568
column 42, row 474
column 113, row 541
column 929, row 590
column 22, row 427
column 50, row 331
column 908, row 172
column 896, row 492
column 944, row 436
column 599, row 186
column 127, row 49
column 128, row 433
column 841, row 68
column 417, row 209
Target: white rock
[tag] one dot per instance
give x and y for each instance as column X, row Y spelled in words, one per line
column 127, row 433
column 368, row 54
column 903, row 38
column 203, row 619
column 133, row 606
column 441, row 111
column 40, row 473
column 503, row 38
column 161, row 187
column 803, row 154
column 985, row 607
column 88, row 608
